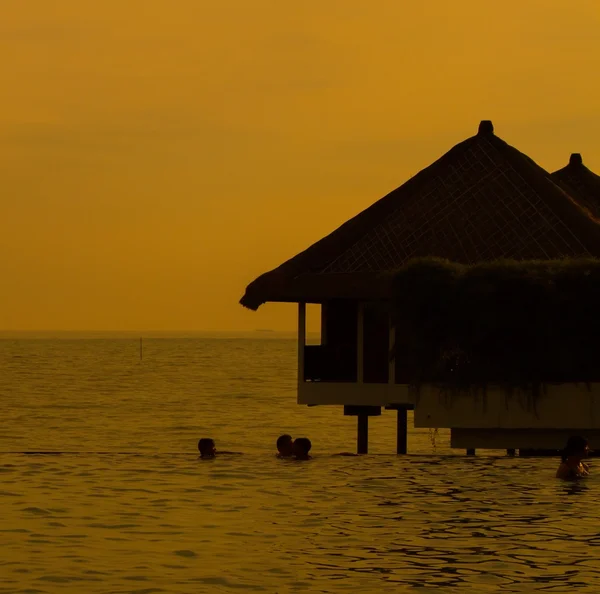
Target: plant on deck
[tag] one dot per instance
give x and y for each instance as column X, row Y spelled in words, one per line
column 515, row 324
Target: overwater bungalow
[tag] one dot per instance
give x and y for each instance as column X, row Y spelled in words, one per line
column 481, row 202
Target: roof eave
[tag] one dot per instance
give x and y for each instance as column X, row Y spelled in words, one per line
column 316, row 288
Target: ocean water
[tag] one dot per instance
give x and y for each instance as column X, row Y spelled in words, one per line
column 127, row 507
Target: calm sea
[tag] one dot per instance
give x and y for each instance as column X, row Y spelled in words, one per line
column 127, row 507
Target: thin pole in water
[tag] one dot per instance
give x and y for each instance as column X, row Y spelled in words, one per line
column 141, row 348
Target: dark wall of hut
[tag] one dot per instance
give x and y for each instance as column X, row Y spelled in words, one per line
column 507, row 322
column 375, row 344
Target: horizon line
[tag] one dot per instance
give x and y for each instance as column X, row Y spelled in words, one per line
column 137, row 332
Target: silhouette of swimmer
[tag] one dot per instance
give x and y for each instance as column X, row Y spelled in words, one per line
column 285, row 446
column 301, row 447
column 572, row 466
column 208, row 450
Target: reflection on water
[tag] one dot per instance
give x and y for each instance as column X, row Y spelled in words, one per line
column 575, row 487
column 160, row 520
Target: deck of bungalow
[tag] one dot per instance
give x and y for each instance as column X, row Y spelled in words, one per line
column 482, row 201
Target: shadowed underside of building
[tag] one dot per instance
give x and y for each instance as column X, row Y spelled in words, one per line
column 480, row 202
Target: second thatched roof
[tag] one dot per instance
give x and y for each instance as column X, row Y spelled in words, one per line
column 580, row 182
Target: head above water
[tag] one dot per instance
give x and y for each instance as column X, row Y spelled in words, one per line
column 285, row 445
column 302, row 446
column 206, row 447
column 577, row 447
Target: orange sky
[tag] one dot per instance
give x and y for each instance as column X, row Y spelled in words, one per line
column 157, row 156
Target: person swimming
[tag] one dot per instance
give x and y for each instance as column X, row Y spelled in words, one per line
column 301, row 447
column 285, row 447
column 571, row 466
column 207, row 448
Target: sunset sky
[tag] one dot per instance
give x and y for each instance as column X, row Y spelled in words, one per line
column 155, row 157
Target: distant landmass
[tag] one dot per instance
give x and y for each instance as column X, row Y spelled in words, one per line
column 146, row 334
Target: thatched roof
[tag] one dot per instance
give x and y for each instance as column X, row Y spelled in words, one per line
column 505, row 322
column 481, row 201
column 581, row 183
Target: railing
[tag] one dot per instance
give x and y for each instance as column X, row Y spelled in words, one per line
column 325, row 363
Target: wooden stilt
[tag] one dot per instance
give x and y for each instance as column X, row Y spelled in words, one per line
column 363, row 434
column 402, row 432
column 401, row 426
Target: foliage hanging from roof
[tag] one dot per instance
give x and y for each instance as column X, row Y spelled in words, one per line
column 508, row 323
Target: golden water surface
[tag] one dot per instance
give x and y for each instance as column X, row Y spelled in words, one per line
column 127, row 507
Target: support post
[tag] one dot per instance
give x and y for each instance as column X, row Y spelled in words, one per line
column 402, row 426
column 362, row 434
column 301, row 340
column 362, row 445
column 360, row 332
column 324, row 308
column 402, row 432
